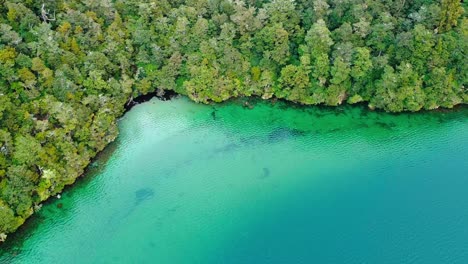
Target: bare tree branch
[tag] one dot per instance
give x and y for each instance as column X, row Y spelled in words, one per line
column 45, row 14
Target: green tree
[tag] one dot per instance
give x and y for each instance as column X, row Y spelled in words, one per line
column 451, row 10
column 8, row 221
column 319, row 43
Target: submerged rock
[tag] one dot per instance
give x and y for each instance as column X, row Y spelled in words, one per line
column 283, row 133
column 265, row 174
column 227, row 148
column 248, row 105
column 143, row 194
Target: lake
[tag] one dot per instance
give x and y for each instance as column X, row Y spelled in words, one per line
column 191, row 183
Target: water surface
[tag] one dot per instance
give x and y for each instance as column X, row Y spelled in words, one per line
column 189, row 183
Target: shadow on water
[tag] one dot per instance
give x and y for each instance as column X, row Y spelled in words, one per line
column 163, row 95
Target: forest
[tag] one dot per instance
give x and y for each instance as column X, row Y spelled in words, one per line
column 68, row 68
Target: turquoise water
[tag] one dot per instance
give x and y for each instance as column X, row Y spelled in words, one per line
column 189, row 183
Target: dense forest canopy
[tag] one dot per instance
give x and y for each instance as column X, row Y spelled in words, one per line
column 67, row 68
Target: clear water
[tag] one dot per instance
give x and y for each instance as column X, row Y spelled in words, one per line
column 189, row 183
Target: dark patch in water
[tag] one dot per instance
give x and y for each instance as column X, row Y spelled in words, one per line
column 363, row 113
column 334, row 130
column 339, row 110
column 143, row 194
column 385, row 125
column 227, row 148
column 173, row 209
column 187, row 162
column 265, row 173
column 252, row 140
column 213, row 114
column 318, row 113
column 168, row 173
column 284, row 133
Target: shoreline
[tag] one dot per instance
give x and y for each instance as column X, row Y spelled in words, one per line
column 163, row 95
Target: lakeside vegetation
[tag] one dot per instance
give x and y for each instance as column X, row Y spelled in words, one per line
column 68, row 68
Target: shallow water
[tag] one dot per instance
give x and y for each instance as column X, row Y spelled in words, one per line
column 189, row 183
